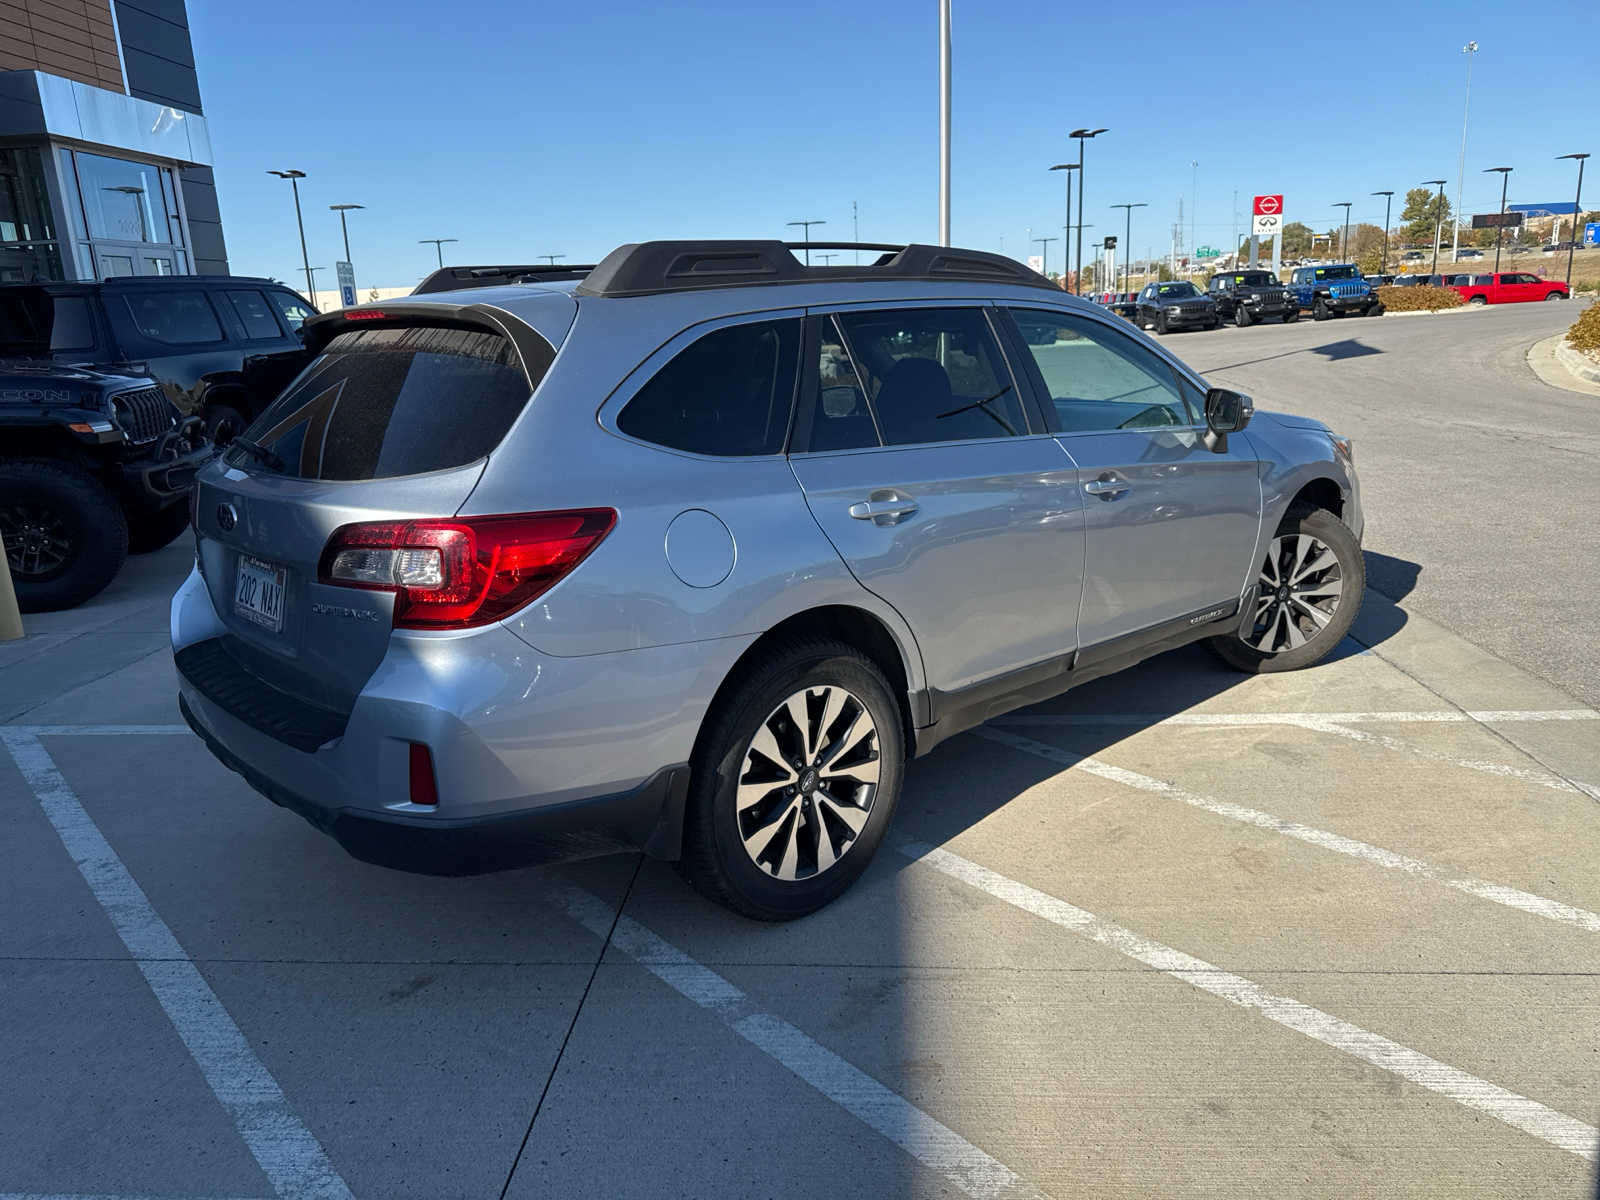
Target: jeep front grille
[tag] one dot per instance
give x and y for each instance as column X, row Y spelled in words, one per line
column 144, row 415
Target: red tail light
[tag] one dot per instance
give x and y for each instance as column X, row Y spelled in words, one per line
column 424, row 787
column 459, row 572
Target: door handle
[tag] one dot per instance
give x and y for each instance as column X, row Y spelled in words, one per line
column 1106, row 486
column 884, row 508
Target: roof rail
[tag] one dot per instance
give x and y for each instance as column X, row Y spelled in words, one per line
column 652, row 268
column 454, row 279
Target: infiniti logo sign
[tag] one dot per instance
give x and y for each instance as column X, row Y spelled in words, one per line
column 227, row 517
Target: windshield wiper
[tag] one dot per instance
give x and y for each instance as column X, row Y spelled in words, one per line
column 1001, row 421
column 256, row 450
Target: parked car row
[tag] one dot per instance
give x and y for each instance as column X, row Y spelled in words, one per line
column 1246, row 297
column 112, row 396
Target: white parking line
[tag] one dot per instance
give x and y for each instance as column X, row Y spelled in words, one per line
column 1539, row 906
column 934, row 1145
column 1495, row 716
column 292, row 1159
column 1556, row 1128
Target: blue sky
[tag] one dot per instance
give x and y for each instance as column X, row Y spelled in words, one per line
column 551, row 127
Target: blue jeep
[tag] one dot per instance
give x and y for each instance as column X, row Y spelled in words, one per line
column 1333, row 291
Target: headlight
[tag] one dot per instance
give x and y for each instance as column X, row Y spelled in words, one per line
column 1344, row 446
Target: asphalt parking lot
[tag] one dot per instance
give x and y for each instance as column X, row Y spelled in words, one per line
column 1179, row 932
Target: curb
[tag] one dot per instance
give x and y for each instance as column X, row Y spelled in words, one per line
column 1436, row 312
column 1580, row 365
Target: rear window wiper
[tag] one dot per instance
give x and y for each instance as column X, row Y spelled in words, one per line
column 256, row 450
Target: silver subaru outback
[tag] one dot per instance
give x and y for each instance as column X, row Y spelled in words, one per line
column 690, row 553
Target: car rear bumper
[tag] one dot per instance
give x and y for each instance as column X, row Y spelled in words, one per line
column 535, row 757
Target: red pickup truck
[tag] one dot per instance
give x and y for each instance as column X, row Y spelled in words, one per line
column 1511, row 287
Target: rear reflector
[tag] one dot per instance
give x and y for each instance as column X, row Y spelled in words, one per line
column 424, row 789
column 456, row 573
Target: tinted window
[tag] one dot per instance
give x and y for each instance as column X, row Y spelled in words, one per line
column 295, row 310
column 1482, row 280
column 383, row 402
column 727, row 394
column 39, row 323
column 933, row 375
column 179, row 318
column 840, row 416
column 256, row 315
column 1177, row 291
column 1098, row 378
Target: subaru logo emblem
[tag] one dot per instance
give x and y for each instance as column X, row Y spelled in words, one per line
column 227, row 517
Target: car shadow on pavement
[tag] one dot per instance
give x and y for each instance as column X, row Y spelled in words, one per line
column 1332, row 351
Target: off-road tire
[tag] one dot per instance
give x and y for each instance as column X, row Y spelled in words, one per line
column 91, row 521
column 714, row 859
column 1161, row 323
column 1336, row 535
column 1290, row 317
column 1320, row 310
column 1241, row 316
column 148, row 532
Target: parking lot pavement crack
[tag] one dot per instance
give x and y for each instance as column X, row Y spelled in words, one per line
column 1509, row 897
column 1520, row 1112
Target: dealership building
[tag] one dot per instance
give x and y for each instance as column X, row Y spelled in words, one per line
column 105, row 159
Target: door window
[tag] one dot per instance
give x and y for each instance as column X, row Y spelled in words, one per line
column 183, row 318
column 841, row 419
column 295, row 310
column 255, row 313
column 727, row 394
column 932, row 375
column 1098, row 378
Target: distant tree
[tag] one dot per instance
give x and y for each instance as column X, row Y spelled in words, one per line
column 1425, row 211
column 1365, row 239
column 1296, row 240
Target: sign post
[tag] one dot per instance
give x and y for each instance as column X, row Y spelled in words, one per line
column 347, row 283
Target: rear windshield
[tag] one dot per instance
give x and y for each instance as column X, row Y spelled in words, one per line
column 38, row 323
column 383, row 402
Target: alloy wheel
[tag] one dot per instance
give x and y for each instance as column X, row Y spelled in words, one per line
column 36, row 539
column 1299, row 591
column 807, row 783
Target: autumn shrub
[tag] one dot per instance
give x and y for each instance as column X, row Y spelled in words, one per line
column 1419, row 299
column 1585, row 331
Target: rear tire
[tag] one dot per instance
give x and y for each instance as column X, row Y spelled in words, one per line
column 1309, row 589
column 754, row 823
column 224, row 423
column 64, row 533
column 1479, row 300
column 150, row 532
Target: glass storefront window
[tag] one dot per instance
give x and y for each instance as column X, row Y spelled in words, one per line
column 29, row 250
column 124, row 201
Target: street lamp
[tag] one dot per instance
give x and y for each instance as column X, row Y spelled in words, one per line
column 1387, row 201
column 1500, row 230
column 1344, row 240
column 438, row 247
column 311, row 278
column 827, row 258
column 1044, row 254
column 341, row 209
column 294, row 178
column 1438, row 224
column 1577, row 211
column 807, row 226
column 944, row 123
column 1127, row 236
column 1470, row 50
column 1066, row 247
column 1082, row 135
column 551, row 258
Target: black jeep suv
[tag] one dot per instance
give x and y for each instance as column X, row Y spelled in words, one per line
column 92, row 466
column 191, row 334
column 1179, row 305
column 1245, row 297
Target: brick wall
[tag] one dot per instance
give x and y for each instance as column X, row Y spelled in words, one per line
column 71, row 38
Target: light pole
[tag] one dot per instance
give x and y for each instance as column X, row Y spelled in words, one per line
column 438, row 247
column 1044, row 254
column 1470, row 50
column 1083, row 191
column 294, row 178
column 311, row 277
column 944, row 122
column 1194, row 200
column 807, row 225
column 341, row 209
column 1438, row 222
column 1388, row 199
column 1577, row 212
column 1344, row 239
column 1066, row 245
column 551, row 258
column 1127, row 236
column 1500, row 230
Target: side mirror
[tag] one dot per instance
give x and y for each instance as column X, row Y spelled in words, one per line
column 1227, row 411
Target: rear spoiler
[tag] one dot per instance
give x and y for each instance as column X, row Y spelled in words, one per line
column 454, row 279
column 535, row 352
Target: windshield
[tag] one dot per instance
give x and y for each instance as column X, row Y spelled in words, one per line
column 1254, row 279
column 37, row 322
column 1178, row 289
column 1337, row 273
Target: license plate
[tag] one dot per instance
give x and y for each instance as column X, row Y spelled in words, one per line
column 258, row 593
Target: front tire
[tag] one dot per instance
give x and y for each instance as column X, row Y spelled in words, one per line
column 1309, row 588
column 1241, row 317
column 1320, row 310
column 794, row 781
column 1161, row 323
column 224, row 423
column 64, row 533
column 1290, row 317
